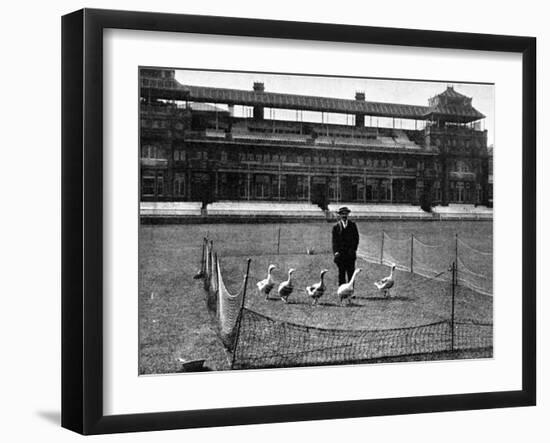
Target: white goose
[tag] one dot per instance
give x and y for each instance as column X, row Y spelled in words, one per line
column 286, row 287
column 317, row 290
column 345, row 291
column 266, row 285
column 386, row 283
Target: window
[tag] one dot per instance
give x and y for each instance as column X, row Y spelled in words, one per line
column 179, row 155
column 278, row 190
column 261, row 186
column 371, row 190
column 148, row 185
column 243, row 186
column 151, row 151
column 479, row 193
column 179, row 185
column 302, row 187
column 358, row 190
column 385, row 190
column 160, row 185
column 152, row 184
column 462, row 166
column 437, row 191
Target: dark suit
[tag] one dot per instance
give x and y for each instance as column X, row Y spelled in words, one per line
column 345, row 242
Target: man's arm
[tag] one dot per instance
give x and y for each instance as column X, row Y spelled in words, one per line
column 335, row 240
column 355, row 237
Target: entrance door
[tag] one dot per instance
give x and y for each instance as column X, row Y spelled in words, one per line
column 201, row 187
column 319, row 192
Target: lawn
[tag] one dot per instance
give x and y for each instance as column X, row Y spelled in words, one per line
column 174, row 321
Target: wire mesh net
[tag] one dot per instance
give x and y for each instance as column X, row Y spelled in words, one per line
column 430, row 260
column 229, row 307
column 265, row 342
column 397, row 251
column 474, row 266
column 224, row 306
column 255, row 340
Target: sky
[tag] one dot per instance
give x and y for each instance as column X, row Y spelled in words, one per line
column 382, row 90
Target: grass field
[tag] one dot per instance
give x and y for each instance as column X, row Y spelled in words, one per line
column 174, row 321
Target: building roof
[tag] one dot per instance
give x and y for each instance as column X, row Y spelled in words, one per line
column 172, row 89
column 453, row 106
column 450, row 92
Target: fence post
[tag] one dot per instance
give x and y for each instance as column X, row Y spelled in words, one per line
column 412, row 251
column 453, row 284
column 278, row 240
column 382, row 250
column 238, row 329
column 207, row 264
column 203, row 257
column 456, row 251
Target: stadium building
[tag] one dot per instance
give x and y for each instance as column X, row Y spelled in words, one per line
column 195, row 147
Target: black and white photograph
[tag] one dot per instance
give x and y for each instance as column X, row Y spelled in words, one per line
column 290, row 220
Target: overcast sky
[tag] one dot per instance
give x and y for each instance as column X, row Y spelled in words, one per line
column 382, row 90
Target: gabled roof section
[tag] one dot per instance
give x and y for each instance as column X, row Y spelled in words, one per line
column 453, row 106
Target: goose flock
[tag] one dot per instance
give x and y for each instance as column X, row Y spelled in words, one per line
column 345, row 292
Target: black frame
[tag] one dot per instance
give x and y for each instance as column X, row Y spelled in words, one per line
column 82, row 219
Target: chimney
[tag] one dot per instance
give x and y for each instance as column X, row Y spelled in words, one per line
column 360, row 118
column 258, row 110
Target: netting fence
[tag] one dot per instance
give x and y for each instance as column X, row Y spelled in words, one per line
column 267, row 343
column 255, row 340
column 225, row 307
column 473, row 266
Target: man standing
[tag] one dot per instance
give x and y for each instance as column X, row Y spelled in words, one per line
column 345, row 239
